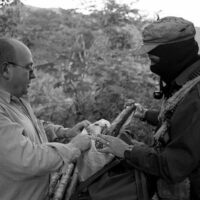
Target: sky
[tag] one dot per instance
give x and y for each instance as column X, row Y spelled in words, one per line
column 188, row 9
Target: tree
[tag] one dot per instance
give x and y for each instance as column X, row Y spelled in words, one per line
column 9, row 17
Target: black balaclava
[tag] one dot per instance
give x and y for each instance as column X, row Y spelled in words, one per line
column 174, row 58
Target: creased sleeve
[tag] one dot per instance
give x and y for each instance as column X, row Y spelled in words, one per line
column 181, row 156
column 56, row 131
column 20, row 158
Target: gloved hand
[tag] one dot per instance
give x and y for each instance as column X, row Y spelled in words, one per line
column 82, row 142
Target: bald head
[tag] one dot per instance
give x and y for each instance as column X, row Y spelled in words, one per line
column 12, row 50
column 16, row 69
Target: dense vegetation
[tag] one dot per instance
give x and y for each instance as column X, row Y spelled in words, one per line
column 85, row 63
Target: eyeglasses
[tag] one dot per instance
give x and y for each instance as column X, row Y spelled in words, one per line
column 28, row 67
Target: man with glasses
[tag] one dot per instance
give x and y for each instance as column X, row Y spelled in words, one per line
column 27, row 153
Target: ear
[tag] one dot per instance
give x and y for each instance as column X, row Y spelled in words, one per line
column 5, row 71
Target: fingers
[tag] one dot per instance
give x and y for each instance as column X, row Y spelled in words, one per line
column 139, row 107
column 129, row 102
column 99, row 138
column 83, row 124
column 107, row 142
column 83, row 142
column 105, row 150
column 105, row 139
column 139, row 111
column 80, row 126
column 86, row 123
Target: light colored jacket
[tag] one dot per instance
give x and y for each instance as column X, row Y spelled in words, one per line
column 26, row 156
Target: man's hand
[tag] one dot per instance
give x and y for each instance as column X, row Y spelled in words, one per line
column 113, row 145
column 79, row 127
column 129, row 102
column 140, row 111
column 82, row 142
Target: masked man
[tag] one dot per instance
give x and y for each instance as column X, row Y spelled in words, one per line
column 175, row 156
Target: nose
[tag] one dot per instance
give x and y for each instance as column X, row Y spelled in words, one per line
column 32, row 75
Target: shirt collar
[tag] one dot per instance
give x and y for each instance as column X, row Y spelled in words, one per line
column 4, row 95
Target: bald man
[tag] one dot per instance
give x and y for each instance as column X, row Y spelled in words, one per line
column 27, row 153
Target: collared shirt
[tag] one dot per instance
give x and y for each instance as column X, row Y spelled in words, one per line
column 26, row 156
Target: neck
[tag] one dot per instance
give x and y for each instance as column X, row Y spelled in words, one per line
column 4, row 86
